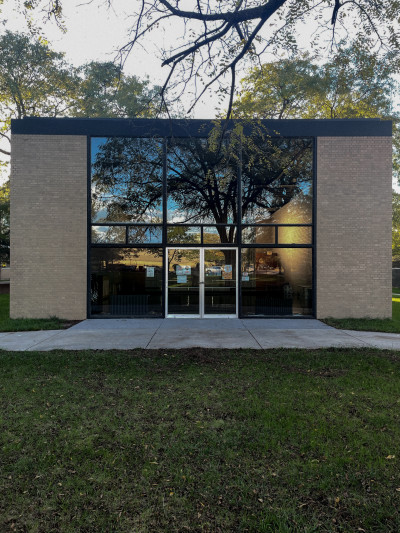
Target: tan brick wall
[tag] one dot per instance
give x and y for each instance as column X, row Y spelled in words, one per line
column 354, row 202
column 48, row 226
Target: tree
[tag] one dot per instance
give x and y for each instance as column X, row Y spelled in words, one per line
column 353, row 84
column 34, row 81
column 105, row 91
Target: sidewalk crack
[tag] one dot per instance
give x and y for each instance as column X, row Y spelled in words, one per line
column 152, row 337
column 359, row 339
column 252, row 335
column 45, row 340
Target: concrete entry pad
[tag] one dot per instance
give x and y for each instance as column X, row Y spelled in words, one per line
column 283, row 323
column 126, row 334
column 114, row 324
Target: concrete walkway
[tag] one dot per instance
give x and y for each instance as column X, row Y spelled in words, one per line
column 126, row 334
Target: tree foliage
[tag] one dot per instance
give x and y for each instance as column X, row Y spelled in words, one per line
column 103, row 90
column 353, row 84
column 34, row 80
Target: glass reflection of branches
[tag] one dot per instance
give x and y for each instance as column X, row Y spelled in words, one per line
column 277, row 180
column 127, row 176
column 202, row 185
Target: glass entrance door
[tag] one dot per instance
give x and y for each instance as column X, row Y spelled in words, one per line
column 201, row 282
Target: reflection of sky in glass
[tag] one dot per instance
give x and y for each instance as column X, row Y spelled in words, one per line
column 126, row 179
column 184, row 234
column 191, row 168
column 281, row 192
column 186, row 204
column 97, row 142
column 108, row 234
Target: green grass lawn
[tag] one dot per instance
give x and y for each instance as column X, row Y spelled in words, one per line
column 371, row 324
column 26, row 324
column 273, row 441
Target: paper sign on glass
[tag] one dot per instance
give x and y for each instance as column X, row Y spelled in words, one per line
column 245, row 276
column 181, row 279
column 227, row 272
column 183, row 270
column 149, row 272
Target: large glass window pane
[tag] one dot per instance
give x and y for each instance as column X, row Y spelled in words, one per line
column 108, row 234
column 201, row 183
column 276, row 281
column 219, row 234
column 145, row 234
column 220, row 282
column 183, row 234
column 126, row 282
column 127, row 180
column 258, row 234
column 183, row 282
column 294, row 234
column 277, row 181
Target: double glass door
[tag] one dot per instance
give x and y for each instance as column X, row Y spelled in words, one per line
column 201, row 282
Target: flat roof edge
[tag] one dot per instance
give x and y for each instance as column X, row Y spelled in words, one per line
column 103, row 127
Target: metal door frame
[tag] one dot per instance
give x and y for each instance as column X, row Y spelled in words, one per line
column 201, row 282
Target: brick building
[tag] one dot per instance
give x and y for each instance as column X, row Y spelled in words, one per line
column 153, row 218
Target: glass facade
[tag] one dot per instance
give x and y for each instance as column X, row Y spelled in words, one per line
column 126, row 282
column 276, row 281
column 196, row 226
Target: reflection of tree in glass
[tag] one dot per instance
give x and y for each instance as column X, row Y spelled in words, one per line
column 127, row 180
column 183, row 235
column 108, row 234
column 275, row 173
column 144, row 234
column 202, row 180
column 202, row 184
column 183, row 256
